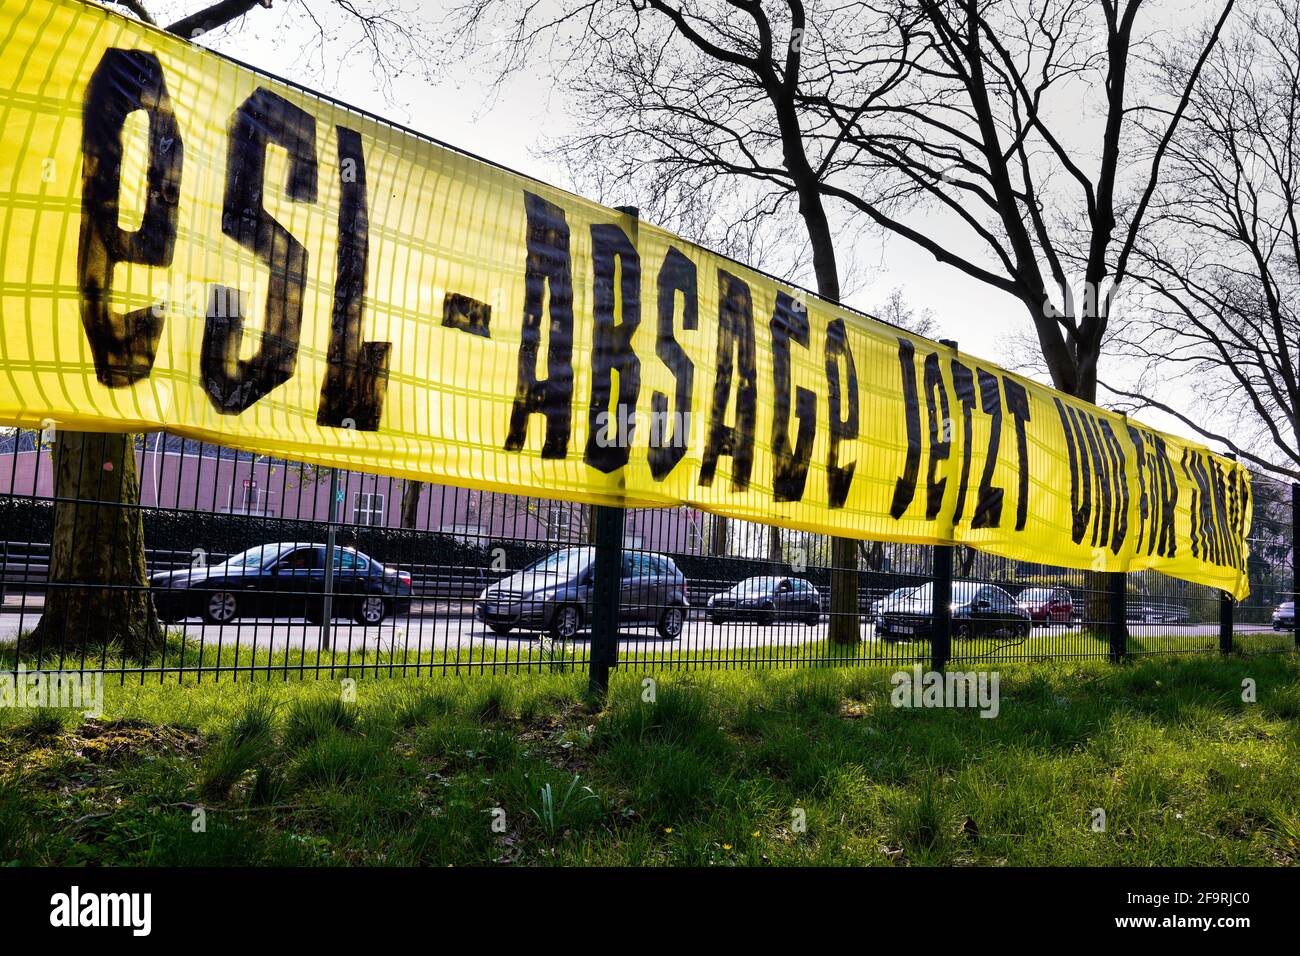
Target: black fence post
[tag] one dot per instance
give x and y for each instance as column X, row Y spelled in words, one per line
column 331, row 539
column 1295, row 552
column 1225, row 622
column 941, row 633
column 941, row 608
column 1118, row 616
column 607, row 572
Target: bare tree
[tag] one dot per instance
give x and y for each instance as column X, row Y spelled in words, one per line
column 1222, row 257
column 896, row 310
column 988, row 145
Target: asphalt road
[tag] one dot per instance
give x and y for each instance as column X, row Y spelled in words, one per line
column 463, row 634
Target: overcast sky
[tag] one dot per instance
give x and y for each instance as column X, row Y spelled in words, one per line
column 457, row 104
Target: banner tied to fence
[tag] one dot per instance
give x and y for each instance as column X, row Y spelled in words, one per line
column 190, row 244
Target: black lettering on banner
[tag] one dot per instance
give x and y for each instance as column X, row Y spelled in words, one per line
column 611, row 348
column 1202, row 509
column 1222, row 511
column 356, row 378
column 963, row 384
column 1217, row 518
column 940, row 422
column 547, row 268
column 124, row 346
column 988, row 504
column 843, row 410
column 1101, row 471
column 1157, row 494
column 1110, row 524
column 1242, row 516
column 1097, row 464
column 1018, row 406
column 467, row 314
column 735, row 357
column 1166, row 536
column 1119, row 487
column 790, row 468
column 677, row 274
column 905, row 485
column 234, row 384
column 1080, row 473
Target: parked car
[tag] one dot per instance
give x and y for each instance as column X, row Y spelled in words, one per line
column 766, row 600
column 1284, row 616
column 1155, row 612
column 1047, row 605
column 554, row 594
column 976, row 609
column 283, row 579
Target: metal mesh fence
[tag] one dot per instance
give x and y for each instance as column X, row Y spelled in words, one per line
column 259, row 566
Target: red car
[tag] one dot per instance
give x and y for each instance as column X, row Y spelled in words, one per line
column 1047, row 605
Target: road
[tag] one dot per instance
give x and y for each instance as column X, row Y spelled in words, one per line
column 461, row 634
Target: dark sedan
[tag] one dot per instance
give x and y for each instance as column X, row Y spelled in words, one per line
column 283, row 579
column 765, row 600
column 976, row 609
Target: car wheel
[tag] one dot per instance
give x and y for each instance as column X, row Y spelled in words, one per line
column 314, row 612
column 567, row 622
column 962, row 630
column 221, row 607
column 670, row 623
column 813, row 618
column 169, row 612
column 767, row 615
column 500, row 629
column 370, row 610
column 1025, row 630
column 716, row 618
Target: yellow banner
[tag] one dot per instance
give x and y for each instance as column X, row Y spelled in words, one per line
column 189, row 244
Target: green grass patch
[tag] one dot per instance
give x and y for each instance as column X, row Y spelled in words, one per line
column 705, row 767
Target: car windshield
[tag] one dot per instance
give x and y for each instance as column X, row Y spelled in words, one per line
column 756, row 585
column 255, row 557
column 1035, row 594
column 568, row 561
column 963, row 592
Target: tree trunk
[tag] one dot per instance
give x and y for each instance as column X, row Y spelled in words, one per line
column 98, row 590
column 718, row 536
column 844, row 628
column 411, row 491
column 774, row 552
column 1096, row 602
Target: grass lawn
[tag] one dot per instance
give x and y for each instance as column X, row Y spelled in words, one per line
column 738, row 767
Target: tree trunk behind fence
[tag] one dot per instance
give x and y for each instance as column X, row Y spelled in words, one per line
column 844, row 627
column 411, row 502
column 98, row 583
column 774, row 552
column 1096, row 604
column 718, row 536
